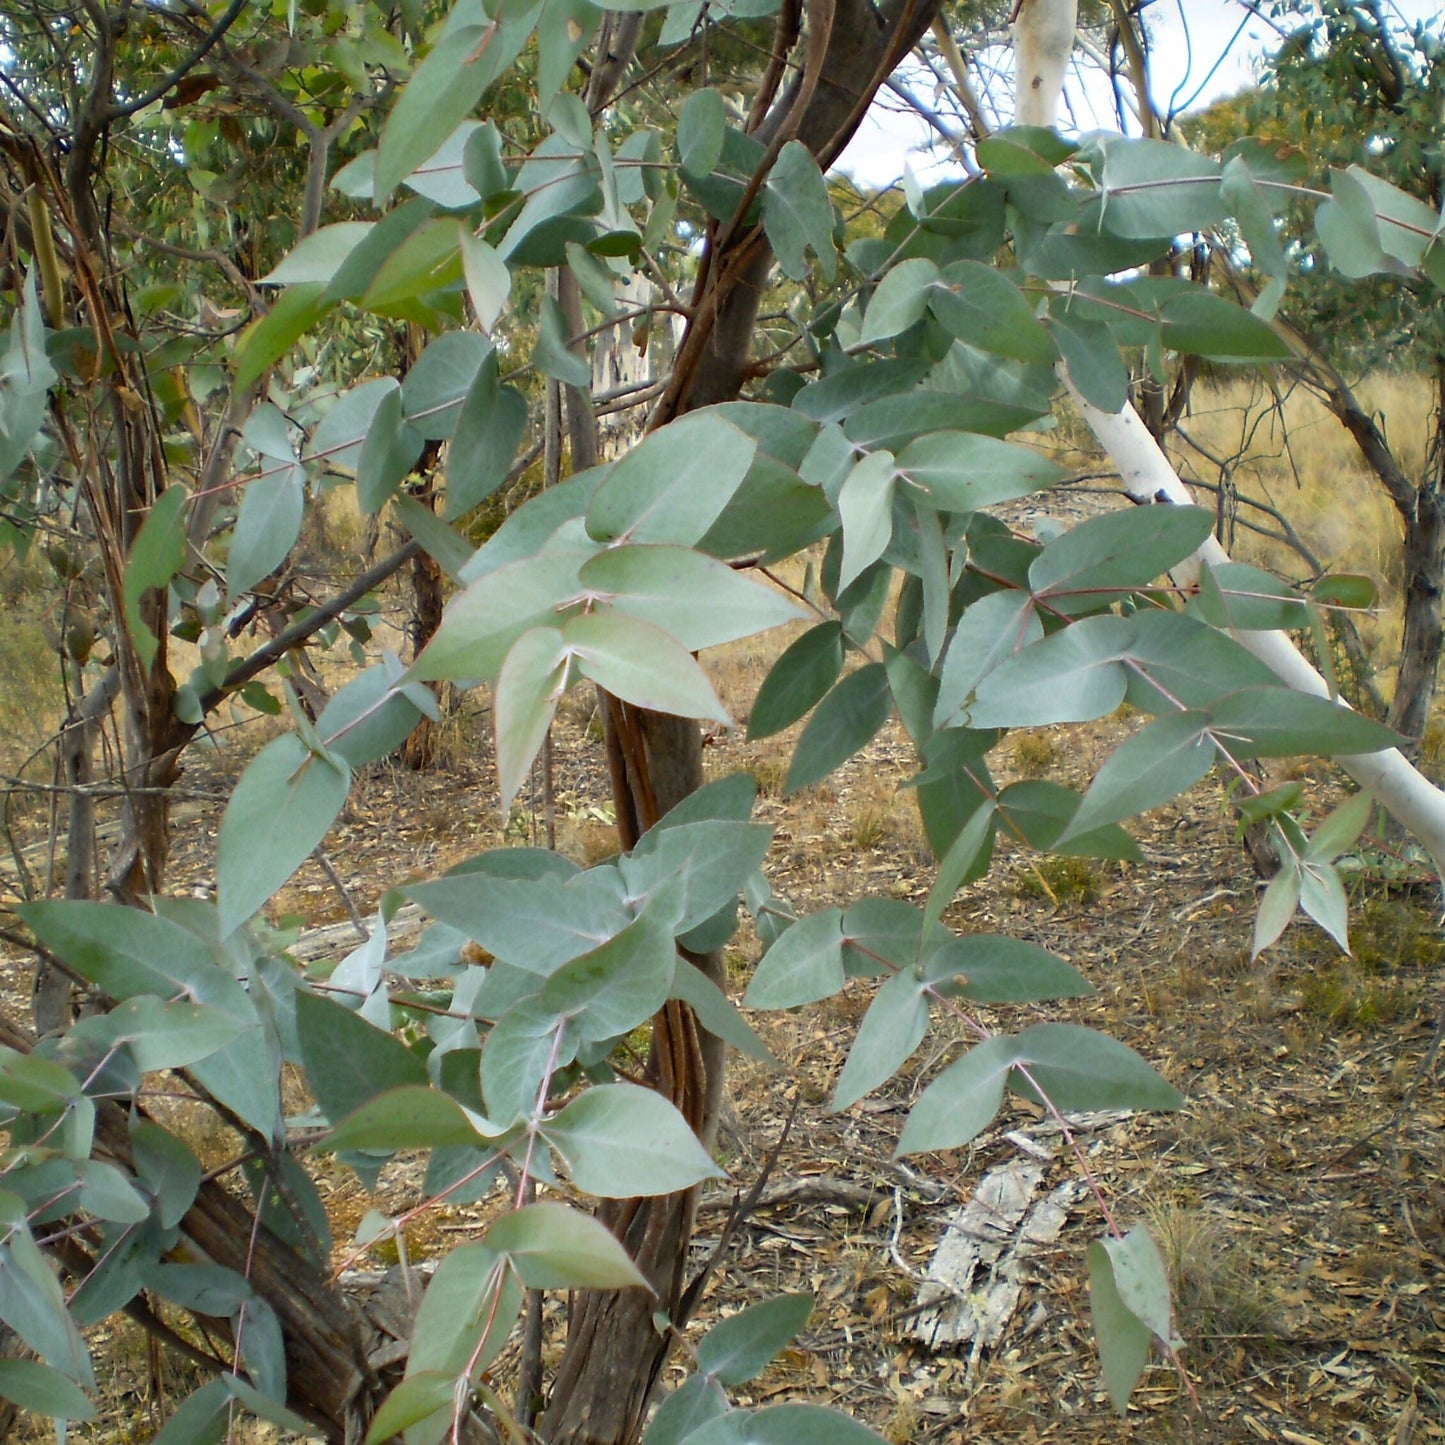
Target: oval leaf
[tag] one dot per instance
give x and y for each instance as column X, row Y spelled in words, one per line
column 282, row 807
column 619, row 1140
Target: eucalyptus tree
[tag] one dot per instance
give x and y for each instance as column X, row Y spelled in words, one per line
column 1356, row 93
column 871, row 423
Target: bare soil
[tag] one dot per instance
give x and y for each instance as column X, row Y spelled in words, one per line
column 1298, row 1195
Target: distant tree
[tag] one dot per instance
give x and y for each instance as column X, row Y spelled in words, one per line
column 1359, row 95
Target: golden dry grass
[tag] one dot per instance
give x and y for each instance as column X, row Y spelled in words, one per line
column 1288, row 451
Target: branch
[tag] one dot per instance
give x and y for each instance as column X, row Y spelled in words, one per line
column 1138, row 70
column 228, row 18
column 962, row 85
column 1043, row 41
column 311, row 624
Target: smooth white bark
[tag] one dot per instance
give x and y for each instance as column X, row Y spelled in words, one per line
column 1043, row 41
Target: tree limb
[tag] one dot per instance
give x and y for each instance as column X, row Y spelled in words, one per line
column 119, row 110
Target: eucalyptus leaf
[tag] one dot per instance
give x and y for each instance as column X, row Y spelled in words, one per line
column 267, row 526
column 674, row 485
column 1071, row 676
column 701, row 127
column 552, row 1246
column 617, row 986
column 740, row 1347
column 698, row 600
column 892, row 1028
column 1151, row 767
column 43, row 1390
column 156, row 555
column 347, row 1060
column 1122, row 1336
column 1116, row 553
column 410, row 1116
column 846, row 720
column 281, row 808
column 900, row 299
column 804, row 965
column 529, row 687
column 641, row 664
column 619, row 1140
column 798, row 213
column 1276, row 722
column 1277, row 907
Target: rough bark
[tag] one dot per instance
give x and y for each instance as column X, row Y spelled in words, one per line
column 1422, row 636
column 424, row 742
column 428, row 595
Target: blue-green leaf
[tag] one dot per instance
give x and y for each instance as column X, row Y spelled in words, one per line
column 846, row 720
column 531, row 684
column 696, row 599
column 962, row 471
column 282, row 807
column 798, row 213
column 348, row 1061
column 1111, row 555
column 900, row 299
column 741, row 1347
column 618, row 985
column 674, row 485
column 992, row 630
column 468, row 55
column 42, row 1390
column 410, row 1116
column 1278, row 722
column 552, row 1246
column 701, row 128
column 865, row 507
column 804, row 965
column 642, row 664
column 808, row 667
column 1122, row 1336
column 267, row 526
column 388, row 453
column 1151, row 767
column 1071, row 676
column 892, row 1028
column 156, row 555
column 619, row 1140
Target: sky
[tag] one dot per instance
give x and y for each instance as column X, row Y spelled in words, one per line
column 1201, row 50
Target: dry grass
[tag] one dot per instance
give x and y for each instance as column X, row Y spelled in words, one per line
column 1291, row 453
column 1221, row 1295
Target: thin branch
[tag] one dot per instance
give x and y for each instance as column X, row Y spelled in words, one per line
column 307, row 628
column 228, row 18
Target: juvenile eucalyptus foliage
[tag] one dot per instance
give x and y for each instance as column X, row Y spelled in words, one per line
column 874, row 439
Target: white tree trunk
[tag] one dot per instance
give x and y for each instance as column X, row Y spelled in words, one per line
column 1043, row 41
column 1148, row 476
